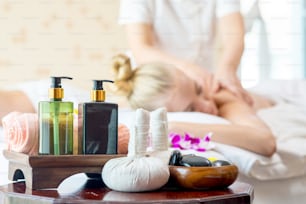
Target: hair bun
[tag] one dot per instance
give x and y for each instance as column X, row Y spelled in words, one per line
column 122, row 70
column 122, row 67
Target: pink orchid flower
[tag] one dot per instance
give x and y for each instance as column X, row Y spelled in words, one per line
column 190, row 142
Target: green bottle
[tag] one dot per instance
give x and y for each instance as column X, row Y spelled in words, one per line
column 55, row 122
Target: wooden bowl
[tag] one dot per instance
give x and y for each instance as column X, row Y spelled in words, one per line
column 203, row 177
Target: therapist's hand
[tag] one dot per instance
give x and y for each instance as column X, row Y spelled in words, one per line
column 233, row 84
column 205, row 79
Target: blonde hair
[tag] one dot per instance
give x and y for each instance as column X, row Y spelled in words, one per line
column 145, row 86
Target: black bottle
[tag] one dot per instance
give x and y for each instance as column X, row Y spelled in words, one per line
column 98, row 123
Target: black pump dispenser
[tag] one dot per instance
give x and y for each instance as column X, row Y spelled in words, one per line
column 98, row 84
column 56, row 92
column 97, row 92
column 56, row 82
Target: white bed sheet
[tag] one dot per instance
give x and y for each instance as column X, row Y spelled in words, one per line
column 289, row 160
column 280, row 191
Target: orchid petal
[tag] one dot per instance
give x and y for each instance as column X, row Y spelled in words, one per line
column 176, row 139
column 201, row 149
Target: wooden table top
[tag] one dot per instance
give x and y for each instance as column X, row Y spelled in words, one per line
column 94, row 191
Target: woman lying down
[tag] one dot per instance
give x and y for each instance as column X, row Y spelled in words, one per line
column 151, row 86
column 156, row 85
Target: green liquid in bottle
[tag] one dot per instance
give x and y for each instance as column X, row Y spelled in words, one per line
column 56, row 128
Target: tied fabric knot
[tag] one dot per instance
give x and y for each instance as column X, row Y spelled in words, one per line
column 190, row 142
column 159, row 129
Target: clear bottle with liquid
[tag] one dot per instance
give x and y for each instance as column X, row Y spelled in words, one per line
column 56, row 122
column 98, row 122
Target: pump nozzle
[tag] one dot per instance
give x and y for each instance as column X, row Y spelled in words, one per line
column 56, row 92
column 97, row 92
column 56, row 82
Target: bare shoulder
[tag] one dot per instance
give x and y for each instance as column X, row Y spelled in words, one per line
column 224, row 97
column 261, row 102
column 233, row 108
column 237, row 111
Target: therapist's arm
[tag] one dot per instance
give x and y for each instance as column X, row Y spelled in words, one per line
column 231, row 33
column 141, row 41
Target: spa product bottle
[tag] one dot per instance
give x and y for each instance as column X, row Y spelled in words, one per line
column 56, row 121
column 98, row 122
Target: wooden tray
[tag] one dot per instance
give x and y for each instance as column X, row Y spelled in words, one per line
column 48, row 171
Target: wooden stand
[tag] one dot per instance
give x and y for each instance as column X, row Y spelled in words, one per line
column 48, row 171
